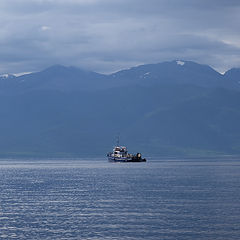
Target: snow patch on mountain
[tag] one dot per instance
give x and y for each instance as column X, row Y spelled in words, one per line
column 6, row 75
column 21, row 74
column 145, row 75
column 180, row 62
column 13, row 75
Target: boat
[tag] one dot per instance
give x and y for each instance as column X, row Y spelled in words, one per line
column 120, row 154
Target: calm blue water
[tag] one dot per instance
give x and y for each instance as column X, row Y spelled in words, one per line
column 94, row 199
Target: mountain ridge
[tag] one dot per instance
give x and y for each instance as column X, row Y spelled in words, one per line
column 171, row 114
column 176, row 72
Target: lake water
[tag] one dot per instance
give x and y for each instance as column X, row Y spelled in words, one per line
column 94, row 199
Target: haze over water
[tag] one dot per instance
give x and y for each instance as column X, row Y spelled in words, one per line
column 94, row 199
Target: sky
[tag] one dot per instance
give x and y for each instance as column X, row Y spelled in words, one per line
column 109, row 35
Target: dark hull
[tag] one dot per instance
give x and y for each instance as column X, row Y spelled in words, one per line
column 111, row 159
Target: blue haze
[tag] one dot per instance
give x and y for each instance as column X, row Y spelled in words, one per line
column 80, row 199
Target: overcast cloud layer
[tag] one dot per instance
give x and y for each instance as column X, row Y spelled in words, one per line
column 108, row 35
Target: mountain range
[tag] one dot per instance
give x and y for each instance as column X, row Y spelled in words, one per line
column 177, row 108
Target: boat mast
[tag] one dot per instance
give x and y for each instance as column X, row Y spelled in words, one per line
column 118, row 141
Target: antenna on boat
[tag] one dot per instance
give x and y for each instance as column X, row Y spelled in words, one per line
column 118, row 140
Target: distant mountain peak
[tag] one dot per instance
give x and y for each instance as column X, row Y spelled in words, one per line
column 55, row 67
column 58, row 68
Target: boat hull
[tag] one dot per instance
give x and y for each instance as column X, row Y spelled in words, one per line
column 122, row 159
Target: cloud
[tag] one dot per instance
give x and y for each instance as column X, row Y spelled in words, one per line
column 45, row 28
column 106, row 35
